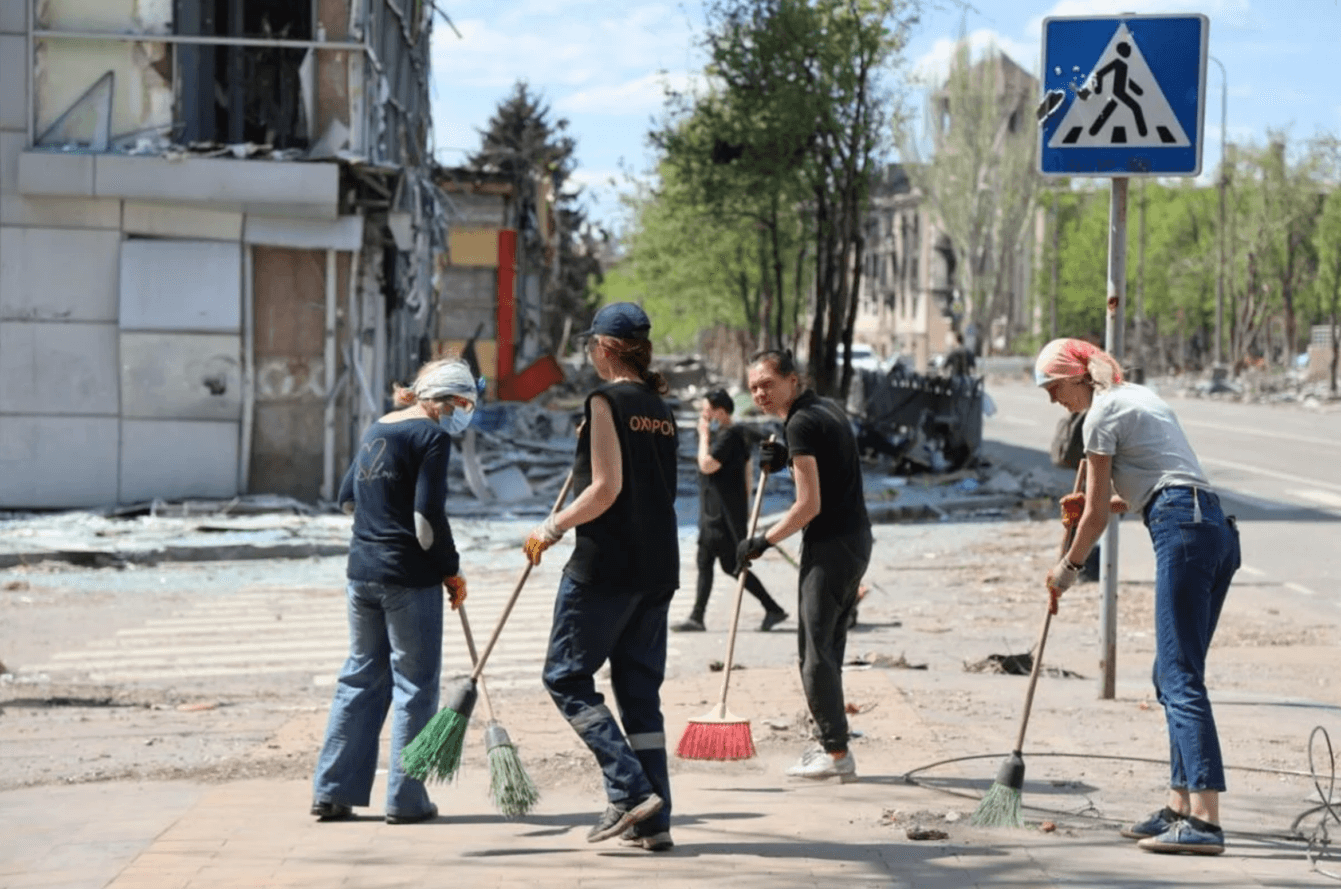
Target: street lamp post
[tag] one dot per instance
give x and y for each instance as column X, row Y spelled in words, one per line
column 1220, row 277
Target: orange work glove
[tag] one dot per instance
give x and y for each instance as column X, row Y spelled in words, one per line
column 1073, row 505
column 456, row 589
column 541, row 538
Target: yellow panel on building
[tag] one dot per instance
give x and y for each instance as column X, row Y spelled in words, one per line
column 473, row 246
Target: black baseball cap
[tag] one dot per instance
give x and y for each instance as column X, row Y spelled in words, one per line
column 626, row 321
column 720, row 398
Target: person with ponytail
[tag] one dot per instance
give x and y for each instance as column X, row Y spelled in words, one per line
column 616, row 589
column 1138, row 458
column 401, row 558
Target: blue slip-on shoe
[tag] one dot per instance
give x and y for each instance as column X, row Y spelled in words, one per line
column 1183, row 837
column 1153, row 826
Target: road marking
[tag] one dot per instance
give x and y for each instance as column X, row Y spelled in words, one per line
column 1326, row 498
column 1256, row 572
column 1299, row 588
column 1270, row 473
column 1264, row 433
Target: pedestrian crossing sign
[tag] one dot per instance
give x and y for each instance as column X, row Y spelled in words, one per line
column 1123, row 95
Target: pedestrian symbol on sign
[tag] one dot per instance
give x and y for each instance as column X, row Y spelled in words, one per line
column 1120, row 103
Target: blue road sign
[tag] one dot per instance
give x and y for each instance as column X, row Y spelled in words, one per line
column 1123, row 95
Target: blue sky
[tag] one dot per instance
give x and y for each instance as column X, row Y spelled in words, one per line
column 604, row 65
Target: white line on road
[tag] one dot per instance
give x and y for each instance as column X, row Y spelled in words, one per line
column 1270, row 473
column 1265, row 433
column 1299, row 588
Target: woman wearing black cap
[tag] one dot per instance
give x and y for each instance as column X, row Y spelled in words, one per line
column 836, row 545
column 723, row 491
column 617, row 587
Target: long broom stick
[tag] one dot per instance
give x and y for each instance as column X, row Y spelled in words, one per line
column 718, row 734
column 510, row 787
column 1000, row 806
column 435, row 753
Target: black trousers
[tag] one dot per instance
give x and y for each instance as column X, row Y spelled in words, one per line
column 721, row 547
column 831, row 571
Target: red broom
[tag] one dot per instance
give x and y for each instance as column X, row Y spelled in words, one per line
column 719, row 734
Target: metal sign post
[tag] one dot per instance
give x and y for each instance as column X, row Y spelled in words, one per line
column 1123, row 96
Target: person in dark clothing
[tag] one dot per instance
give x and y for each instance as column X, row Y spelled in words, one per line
column 959, row 361
column 836, row 545
column 723, row 514
column 617, row 586
column 401, row 557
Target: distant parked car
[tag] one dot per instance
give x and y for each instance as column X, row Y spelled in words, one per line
column 864, row 358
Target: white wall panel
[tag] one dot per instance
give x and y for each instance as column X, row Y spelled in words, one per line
column 57, row 462
column 58, row 274
column 52, row 368
column 181, row 285
column 173, row 459
column 188, row 376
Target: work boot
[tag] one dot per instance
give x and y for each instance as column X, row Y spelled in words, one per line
column 328, row 811
column 659, row 841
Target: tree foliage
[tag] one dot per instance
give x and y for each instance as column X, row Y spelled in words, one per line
column 783, row 145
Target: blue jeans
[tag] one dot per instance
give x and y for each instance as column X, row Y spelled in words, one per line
column 593, row 624
column 395, row 657
column 1196, row 555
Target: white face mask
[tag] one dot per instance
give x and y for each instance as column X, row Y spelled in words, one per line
column 457, row 421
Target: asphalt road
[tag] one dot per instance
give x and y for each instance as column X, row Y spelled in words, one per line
column 1275, row 465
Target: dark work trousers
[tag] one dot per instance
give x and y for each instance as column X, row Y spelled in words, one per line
column 593, row 624
column 721, row 547
column 831, row 571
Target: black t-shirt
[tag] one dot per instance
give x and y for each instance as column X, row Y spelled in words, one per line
column 399, row 475
column 635, row 543
column 723, row 511
column 817, row 427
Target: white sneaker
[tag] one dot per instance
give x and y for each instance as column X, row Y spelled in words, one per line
column 817, row 765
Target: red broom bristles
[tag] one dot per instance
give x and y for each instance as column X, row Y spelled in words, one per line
column 716, row 739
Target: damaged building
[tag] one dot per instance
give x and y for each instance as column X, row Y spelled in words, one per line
column 219, row 237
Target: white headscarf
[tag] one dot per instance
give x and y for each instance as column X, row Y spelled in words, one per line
column 448, row 378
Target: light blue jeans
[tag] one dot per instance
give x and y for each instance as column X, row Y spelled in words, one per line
column 1196, row 555
column 395, row 657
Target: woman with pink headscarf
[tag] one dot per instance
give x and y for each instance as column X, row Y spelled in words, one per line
column 1138, row 458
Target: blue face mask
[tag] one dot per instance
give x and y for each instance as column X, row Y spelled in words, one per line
column 457, row 421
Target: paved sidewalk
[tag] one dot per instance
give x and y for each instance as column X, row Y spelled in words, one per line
column 741, row 823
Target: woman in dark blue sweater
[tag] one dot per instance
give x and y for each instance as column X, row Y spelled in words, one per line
column 401, row 557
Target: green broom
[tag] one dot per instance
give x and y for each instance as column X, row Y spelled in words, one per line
column 1000, row 806
column 435, row 753
column 510, row 788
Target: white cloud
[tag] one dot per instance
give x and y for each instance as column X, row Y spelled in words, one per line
column 933, row 66
column 643, row 95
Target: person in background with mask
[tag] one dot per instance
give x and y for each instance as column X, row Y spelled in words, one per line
column 723, row 511
column 401, row 558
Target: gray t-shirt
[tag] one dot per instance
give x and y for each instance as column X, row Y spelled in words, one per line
column 1140, row 432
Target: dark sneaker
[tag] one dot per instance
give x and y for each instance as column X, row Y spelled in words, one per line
column 1153, row 826
column 771, row 620
column 618, row 819
column 653, row 842
column 331, row 811
column 427, row 815
column 1182, row 836
column 689, row 625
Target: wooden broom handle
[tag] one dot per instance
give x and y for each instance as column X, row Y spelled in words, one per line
column 740, row 587
column 1067, row 537
column 516, row 591
column 474, row 659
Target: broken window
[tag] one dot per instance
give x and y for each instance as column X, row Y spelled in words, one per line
column 232, row 94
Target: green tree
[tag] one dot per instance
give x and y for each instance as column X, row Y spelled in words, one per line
column 799, row 110
column 1327, row 243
